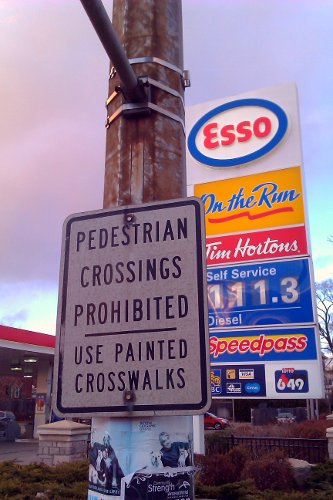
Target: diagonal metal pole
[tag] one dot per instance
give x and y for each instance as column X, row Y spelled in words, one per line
column 108, row 37
column 145, row 156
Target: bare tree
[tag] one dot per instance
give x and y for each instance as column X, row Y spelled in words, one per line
column 324, row 294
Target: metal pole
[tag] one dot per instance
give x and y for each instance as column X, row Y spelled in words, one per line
column 312, row 409
column 317, row 409
column 145, row 156
column 104, row 29
column 145, row 144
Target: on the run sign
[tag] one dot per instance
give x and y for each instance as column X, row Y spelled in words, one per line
column 132, row 332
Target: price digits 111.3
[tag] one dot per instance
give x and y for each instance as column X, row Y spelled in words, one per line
column 233, row 294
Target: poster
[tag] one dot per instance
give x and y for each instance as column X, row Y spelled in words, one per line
column 141, row 458
column 40, row 402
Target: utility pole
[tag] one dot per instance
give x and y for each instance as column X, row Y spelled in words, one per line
column 145, row 138
column 145, row 142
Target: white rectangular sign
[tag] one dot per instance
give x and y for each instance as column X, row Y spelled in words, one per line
column 244, row 160
column 227, row 137
column 132, row 317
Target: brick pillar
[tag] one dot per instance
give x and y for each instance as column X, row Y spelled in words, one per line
column 63, row 441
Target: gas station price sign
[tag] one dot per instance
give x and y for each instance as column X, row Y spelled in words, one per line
column 269, row 293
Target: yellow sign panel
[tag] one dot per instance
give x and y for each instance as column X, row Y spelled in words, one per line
column 215, row 379
column 257, row 201
column 231, row 374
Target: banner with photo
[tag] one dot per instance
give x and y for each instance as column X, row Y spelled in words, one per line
column 148, row 458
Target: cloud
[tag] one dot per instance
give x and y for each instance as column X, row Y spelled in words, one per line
column 40, row 305
column 323, row 272
column 46, row 184
column 52, row 135
column 18, row 319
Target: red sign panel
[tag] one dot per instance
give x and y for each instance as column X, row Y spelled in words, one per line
column 260, row 245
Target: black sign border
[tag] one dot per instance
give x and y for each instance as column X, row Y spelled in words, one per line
column 203, row 321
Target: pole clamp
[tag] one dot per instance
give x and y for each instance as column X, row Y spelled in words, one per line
column 156, row 60
column 185, row 74
column 136, row 110
column 131, row 110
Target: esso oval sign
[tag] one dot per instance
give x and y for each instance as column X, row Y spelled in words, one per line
column 237, row 132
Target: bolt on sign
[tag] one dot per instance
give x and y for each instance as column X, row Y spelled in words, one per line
column 132, row 331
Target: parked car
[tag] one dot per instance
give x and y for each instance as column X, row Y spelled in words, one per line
column 7, row 416
column 213, row 422
column 9, row 428
column 285, row 418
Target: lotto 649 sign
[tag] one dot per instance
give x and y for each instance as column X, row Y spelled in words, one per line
column 290, row 380
column 131, row 316
column 260, row 294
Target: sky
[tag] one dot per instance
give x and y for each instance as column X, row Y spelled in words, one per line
column 54, row 83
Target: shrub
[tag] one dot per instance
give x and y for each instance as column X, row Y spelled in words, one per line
column 219, row 469
column 290, row 495
column 267, row 430
column 215, row 470
column 217, row 442
column 244, row 429
column 321, row 477
column 237, row 491
column 310, row 429
column 23, row 482
column 230, row 491
column 272, row 472
column 239, row 456
column 206, row 491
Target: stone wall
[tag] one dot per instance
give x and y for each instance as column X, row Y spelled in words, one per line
column 63, row 441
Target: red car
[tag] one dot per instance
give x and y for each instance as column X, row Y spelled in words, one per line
column 213, row 422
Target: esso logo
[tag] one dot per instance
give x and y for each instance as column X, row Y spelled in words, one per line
column 237, row 132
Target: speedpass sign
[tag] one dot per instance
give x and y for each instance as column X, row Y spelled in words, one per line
column 132, row 312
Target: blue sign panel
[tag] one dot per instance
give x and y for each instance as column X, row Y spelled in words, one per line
column 215, row 382
column 269, row 293
column 239, row 381
column 290, row 380
column 273, row 344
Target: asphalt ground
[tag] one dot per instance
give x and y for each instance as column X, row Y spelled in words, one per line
column 22, row 451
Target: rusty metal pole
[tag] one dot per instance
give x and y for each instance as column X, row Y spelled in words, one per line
column 145, row 139
column 145, row 152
